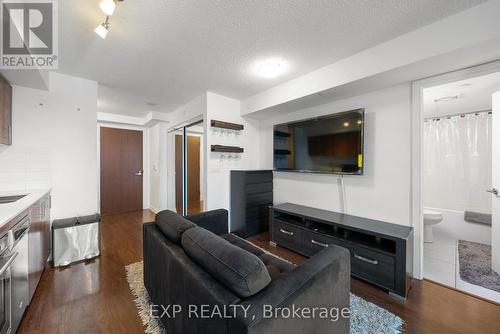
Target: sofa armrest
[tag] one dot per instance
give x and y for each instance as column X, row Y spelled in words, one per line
column 321, row 282
column 216, row 221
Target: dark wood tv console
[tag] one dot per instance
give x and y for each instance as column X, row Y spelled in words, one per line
column 381, row 253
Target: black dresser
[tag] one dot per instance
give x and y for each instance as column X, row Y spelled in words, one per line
column 381, row 253
column 251, row 197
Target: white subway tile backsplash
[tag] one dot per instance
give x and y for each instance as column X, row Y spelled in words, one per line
column 24, row 167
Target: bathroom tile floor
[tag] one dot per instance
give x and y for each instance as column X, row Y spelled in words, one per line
column 441, row 266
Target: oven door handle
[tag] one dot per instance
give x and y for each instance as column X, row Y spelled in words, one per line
column 6, row 262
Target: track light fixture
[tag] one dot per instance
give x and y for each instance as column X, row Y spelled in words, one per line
column 108, row 7
column 103, row 28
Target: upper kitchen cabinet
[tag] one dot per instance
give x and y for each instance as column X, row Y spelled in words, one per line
column 5, row 112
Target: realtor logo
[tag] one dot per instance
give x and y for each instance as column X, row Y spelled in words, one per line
column 29, row 34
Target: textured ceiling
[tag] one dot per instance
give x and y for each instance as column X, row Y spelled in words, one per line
column 170, row 51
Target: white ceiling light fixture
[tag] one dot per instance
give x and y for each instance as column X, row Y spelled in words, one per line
column 271, row 68
column 108, row 7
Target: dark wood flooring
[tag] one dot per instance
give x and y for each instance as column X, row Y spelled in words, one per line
column 95, row 297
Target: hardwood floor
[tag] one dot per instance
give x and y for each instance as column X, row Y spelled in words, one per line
column 95, row 297
column 92, row 297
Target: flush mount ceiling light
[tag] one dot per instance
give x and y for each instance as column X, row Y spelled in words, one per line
column 271, row 68
column 108, row 7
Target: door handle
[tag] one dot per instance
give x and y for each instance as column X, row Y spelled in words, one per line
column 139, row 173
column 493, row 191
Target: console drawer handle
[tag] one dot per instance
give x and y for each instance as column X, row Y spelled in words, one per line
column 364, row 259
column 286, row 232
column 318, row 243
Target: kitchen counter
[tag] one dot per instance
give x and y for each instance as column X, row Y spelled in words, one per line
column 9, row 211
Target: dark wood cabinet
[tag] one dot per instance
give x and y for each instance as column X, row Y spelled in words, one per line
column 251, row 196
column 38, row 242
column 5, row 112
column 381, row 253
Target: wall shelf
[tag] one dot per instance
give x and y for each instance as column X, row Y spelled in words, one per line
column 226, row 149
column 226, row 125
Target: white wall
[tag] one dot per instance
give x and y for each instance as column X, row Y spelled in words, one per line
column 157, row 155
column 154, row 168
column 54, row 144
column 219, row 165
column 383, row 192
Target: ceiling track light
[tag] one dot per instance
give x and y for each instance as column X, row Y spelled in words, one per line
column 108, row 7
column 103, row 28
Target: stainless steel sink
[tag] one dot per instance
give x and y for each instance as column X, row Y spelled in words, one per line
column 11, row 199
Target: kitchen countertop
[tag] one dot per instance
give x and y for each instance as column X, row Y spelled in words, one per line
column 9, row 211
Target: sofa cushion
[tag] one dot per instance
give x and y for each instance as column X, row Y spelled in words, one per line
column 276, row 267
column 172, row 225
column 240, row 271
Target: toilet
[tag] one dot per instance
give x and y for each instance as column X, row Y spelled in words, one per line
column 431, row 218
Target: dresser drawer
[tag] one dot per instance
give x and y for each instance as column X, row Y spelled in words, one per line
column 259, row 177
column 286, row 235
column 259, row 199
column 314, row 242
column 372, row 266
column 257, row 188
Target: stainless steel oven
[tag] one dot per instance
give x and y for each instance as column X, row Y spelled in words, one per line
column 6, row 259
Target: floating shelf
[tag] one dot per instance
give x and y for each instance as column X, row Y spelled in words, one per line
column 226, row 125
column 226, row 149
column 281, row 134
column 282, row 152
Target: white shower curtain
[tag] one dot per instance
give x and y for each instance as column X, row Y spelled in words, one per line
column 457, row 163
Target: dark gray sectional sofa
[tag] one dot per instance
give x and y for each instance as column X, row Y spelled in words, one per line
column 203, row 280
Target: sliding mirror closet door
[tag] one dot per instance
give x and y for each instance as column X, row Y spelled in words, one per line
column 188, row 159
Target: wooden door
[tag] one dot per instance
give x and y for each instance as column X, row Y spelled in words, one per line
column 121, row 171
column 193, row 170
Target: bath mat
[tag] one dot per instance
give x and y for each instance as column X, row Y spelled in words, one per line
column 367, row 318
column 475, row 265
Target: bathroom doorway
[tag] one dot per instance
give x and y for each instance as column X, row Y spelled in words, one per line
column 457, row 171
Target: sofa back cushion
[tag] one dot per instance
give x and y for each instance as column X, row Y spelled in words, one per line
column 238, row 270
column 172, row 225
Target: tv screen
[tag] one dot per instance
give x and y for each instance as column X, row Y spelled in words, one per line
column 329, row 144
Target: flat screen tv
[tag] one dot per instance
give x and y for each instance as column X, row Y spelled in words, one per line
column 329, row 144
